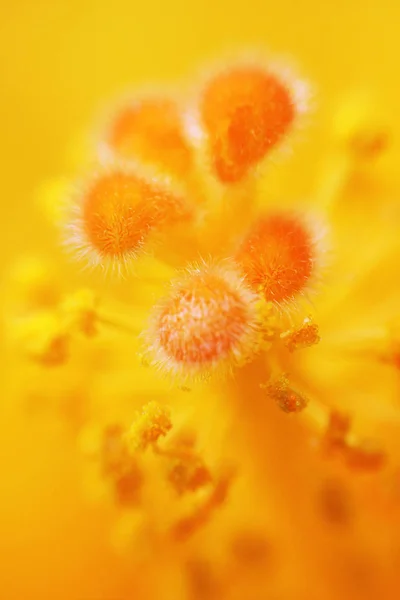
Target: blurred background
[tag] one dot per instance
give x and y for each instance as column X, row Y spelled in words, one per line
column 60, row 62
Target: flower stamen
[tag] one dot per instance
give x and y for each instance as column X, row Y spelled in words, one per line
column 246, row 110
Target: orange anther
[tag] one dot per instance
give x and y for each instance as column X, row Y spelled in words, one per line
column 208, row 318
column 151, row 130
column 287, row 399
column 307, row 335
column 278, row 257
column 119, row 210
column 246, row 110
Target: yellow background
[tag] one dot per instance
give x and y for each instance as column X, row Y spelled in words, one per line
column 60, row 60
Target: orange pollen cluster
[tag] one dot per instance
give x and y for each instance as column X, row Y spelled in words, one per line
column 207, row 318
column 304, row 337
column 151, row 130
column 287, row 399
column 246, row 111
column 152, row 423
column 119, row 210
column 278, row 257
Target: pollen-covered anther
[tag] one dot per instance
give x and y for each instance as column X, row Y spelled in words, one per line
column 279, row 256
column 151, row 130
column 118, row 210
column 246, row 111
column 209, row 320
column 150, row 424
column 289, row 400
column 304, row 337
